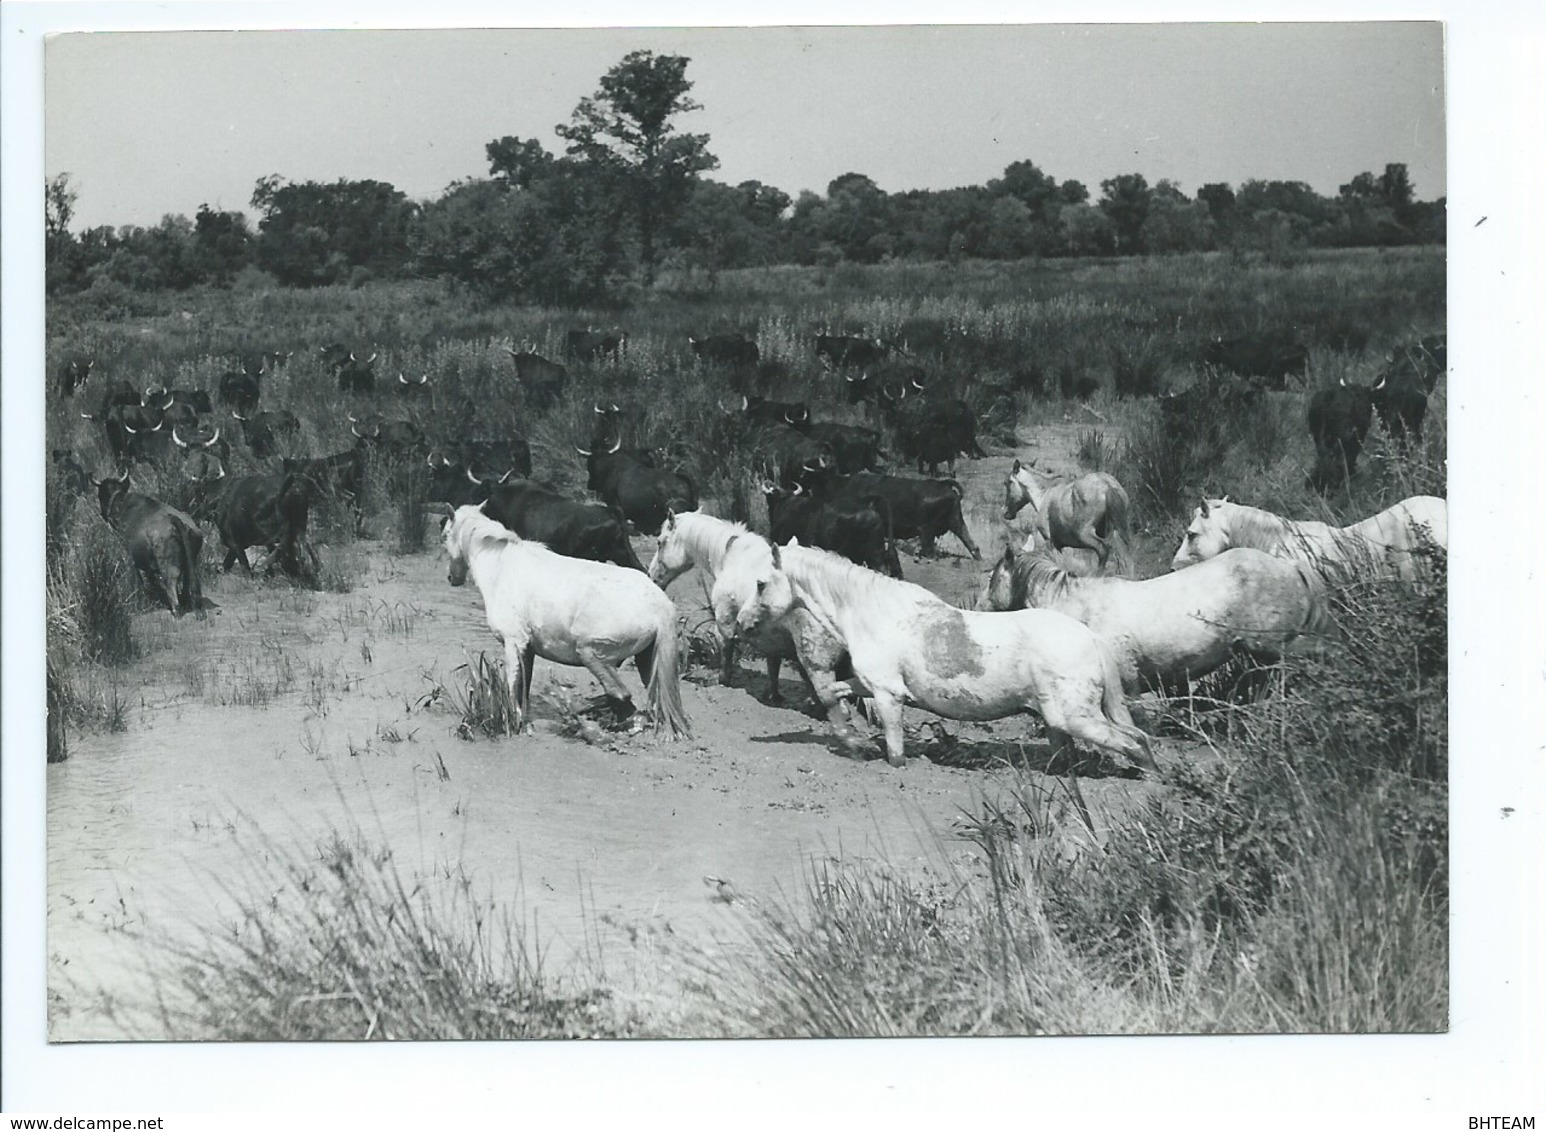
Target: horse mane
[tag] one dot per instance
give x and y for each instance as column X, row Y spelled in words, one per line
column 703, row 534
column 1038, row 578
column 846, row 583
column 1253, row 528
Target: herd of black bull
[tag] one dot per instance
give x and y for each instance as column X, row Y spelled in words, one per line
column 822, row 481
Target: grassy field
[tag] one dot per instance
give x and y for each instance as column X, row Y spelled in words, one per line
column 1294, row 880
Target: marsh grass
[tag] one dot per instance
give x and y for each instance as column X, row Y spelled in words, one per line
column 335, row 942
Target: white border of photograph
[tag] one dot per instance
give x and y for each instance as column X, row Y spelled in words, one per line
column 1496, row 127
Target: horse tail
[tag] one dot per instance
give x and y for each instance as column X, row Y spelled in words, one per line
column 1113, row 704
column 664, row 693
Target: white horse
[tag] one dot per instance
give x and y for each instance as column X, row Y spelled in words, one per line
column 1168, row 630
column 570, row 611
column 908, row 646
column 744, row 575
column 1084, row 512
column 1388, row 544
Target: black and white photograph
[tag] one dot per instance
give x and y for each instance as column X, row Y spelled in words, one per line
column 805, row 532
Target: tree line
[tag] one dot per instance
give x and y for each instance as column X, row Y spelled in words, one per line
column 628, row 195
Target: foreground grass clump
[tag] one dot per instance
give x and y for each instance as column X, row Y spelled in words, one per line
column 338, row 944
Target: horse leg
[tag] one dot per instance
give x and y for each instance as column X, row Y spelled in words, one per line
column 775, row 696
column 622, row 702
column 518, row 679
column 528, row 666
column 889, row 711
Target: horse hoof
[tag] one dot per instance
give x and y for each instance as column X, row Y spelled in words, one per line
column 896, row 760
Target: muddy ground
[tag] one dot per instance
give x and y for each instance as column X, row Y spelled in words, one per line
column 287, row 714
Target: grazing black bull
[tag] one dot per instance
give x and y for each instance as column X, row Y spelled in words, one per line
column 588, row 345
column 934, row 431
column 924, row 509
column 844, row 350
column 854, row 449
column 1400, row 395
column 858, row 528
column 401, row 437
column 1272, row 355
column 202, row 437
column 118, row 395
column 640, row 494
column 726, row 349
column 882, row 387
column 543, row 381
column 467, row 472
column 339, row 478
column 759, row 410
column 1339, row 421
column 414, row 389
column 74, row 373
column 263, row 431
column 788, row 455
column 240, row 392
column 580, row 530
column 72, row 474
column 163, row 542
column 270, row 511
column 356, row 375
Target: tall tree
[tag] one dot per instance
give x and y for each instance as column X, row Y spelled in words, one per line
column 518, row 162
column 1125, row 199
column 625, row 131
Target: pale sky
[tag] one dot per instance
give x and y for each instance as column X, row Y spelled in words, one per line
column 148, row 123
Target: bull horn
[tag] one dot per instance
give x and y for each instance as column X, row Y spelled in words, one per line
column 745, row 404
column 582, row 451
column 177, row 440
column 914, row 383
column 159, row 423
column 505, row 478
column 798, row 488
column 401, row 380
column 370, row 359
column 351, row 355
column 87, row 417
column 429, row 461
column 423, row 379
column 130, row 430
column 355, row 430
column 511, row 351
column 221, row 465
column 613, row 450
column 848, row 377
column 615, row 409
column 243, row 419
column 472, row 478
column 787, row 417
column 445, row 461
column 1380, row 384
column 598, row 408
column 210, row 443
column 170, row 397
column 1342, row 381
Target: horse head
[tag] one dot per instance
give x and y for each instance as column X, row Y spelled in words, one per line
column 1207, row 536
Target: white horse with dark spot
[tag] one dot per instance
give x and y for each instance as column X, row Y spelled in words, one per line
column 1084, row 512
column 1168, row 630
column 1389, row 544
column 909, row 647
column 571, row 611
column 744, row 574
